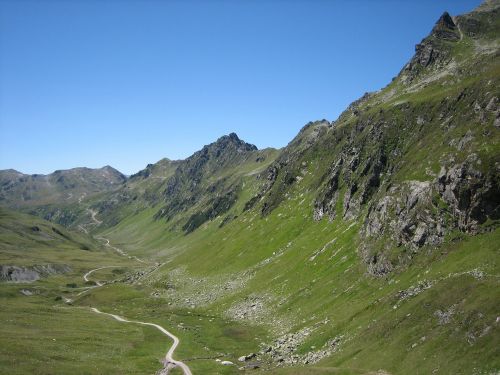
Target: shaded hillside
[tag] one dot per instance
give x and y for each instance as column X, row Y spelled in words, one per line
column 189, row 192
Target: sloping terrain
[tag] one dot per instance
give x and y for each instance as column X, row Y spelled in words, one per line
column 368, row 245
column 18, row 190
column 379, row 227
column 41, row 267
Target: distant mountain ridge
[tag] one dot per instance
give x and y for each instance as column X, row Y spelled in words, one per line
column 369, row 242
column 18, row 189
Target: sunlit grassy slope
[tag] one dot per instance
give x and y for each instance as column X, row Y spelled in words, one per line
column 235, row 259
column 275, row 267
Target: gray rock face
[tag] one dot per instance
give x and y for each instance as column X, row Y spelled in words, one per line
column 404, row 214
column 28, row 274
column 445, row 28
column 432, row 51
column 471, row 196
column 325, row 205
column 416, row 214
column 492, row 104
column 192, row 181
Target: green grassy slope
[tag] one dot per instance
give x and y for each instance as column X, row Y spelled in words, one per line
column 41, row 334
column 433, row 308
column 348, row 252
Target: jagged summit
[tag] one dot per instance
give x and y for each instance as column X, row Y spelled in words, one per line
column 433, row 51
column 370, row 242
column 232, row 140
column 446, row 28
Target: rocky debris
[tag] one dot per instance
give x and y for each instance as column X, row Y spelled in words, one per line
column 283, row 350
column 186, row 291
column 478, row 324
column 247, row 357
column 251, row 308
column 330, row 347
column 21, row 274
column 444, row 317
column 415, row 344
column 460, row 144
column 251, row 366
column 139, row 276
column 226, row 363
column 492, row 105
column 412, row 291
column 477, row 273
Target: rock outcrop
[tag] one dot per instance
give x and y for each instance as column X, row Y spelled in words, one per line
column 433, row 50
column 472, row 196
column 419, row 213
column 21, row 274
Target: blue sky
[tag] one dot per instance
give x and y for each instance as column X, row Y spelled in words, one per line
column 126, row 83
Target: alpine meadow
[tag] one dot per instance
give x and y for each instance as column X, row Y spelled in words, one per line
column 368, row 245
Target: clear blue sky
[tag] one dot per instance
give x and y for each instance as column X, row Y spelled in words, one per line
column 126, row 83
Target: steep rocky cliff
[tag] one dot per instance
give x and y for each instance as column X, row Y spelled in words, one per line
column 414, row 162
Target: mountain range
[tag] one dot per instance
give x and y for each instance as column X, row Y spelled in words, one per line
column 367, row 245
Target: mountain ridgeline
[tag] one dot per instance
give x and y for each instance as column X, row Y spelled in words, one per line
column 19, row 190
column 377, row 230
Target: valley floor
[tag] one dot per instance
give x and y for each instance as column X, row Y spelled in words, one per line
column 421, row 322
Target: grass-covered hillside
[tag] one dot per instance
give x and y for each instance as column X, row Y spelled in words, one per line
column 19, row 190
column 368, row 245
column 41, row 269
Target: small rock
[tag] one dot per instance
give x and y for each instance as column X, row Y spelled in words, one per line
column 493, row 104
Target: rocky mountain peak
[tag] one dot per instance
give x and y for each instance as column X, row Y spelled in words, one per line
column 446, row 21
column 446, row 28
column 232, row 141
column 433, row 51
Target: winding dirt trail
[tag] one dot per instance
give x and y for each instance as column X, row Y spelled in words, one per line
column 168, row 362
column 98, row 283
column 120, row 251
column 92, row 215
